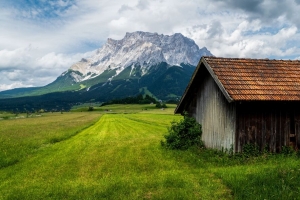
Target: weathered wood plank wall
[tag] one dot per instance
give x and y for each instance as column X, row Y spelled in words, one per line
column 215, row 114
column 269, row 125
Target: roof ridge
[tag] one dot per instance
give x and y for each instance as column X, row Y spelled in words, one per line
column 261, row 59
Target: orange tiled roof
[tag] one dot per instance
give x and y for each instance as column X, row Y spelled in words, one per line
column 257, row 79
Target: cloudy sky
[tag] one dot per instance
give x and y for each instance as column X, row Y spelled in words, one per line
column 40, row 39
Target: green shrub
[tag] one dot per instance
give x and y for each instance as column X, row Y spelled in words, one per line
column 158, row 105
column 250, row 150
column 91, row 108
column 287, row 150
column 183, row 134
column 164, row 105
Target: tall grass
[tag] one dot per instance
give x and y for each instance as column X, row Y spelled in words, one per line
column 269, row 176
column 120, row 157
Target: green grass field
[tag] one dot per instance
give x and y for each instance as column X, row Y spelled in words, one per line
column 116, row 154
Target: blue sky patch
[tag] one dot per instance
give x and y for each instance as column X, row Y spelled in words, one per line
column 40, row 9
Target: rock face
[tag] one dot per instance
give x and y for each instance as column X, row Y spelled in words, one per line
column 138, row 49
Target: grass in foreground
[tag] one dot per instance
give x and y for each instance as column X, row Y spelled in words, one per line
column 120, row 157
column 265, row 177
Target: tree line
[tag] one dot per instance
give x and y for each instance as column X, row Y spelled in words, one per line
column 139, row 99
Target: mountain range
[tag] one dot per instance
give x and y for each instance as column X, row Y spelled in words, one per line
column 140, row 63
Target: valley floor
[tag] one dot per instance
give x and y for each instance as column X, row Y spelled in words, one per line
column 119, row 156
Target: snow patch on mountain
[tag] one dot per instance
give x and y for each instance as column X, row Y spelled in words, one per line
column 77, row 77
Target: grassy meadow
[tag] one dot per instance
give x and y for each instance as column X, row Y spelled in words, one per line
column 114, row 152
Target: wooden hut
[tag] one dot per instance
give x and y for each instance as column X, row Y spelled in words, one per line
column 245, row 101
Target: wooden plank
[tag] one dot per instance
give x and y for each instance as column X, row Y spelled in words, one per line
column 215, row 114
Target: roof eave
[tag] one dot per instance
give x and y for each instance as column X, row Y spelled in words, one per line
column 215, row 77
column 178, row 109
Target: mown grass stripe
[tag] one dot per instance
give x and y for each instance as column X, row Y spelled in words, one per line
column 116, row 158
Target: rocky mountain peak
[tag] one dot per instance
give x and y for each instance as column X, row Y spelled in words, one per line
column 140, row 48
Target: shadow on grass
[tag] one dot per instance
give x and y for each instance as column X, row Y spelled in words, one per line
column 7, row 163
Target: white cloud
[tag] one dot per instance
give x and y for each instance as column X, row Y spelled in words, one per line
column 24, row 67
column 13, row 85
column 16, row 58
column 41, row 47
column 285, row 34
